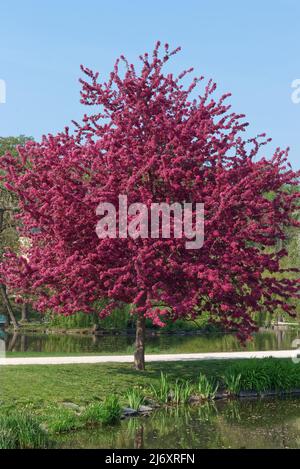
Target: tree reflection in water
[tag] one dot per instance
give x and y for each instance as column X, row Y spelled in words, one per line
column 122, row 344
column 266, row 423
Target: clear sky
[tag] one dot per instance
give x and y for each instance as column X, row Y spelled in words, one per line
column 249, row 48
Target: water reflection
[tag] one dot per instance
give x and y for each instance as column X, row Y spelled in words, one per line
column 71, row 344
column 234, row 424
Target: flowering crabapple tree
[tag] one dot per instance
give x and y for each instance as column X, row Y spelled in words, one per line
column 153, row 139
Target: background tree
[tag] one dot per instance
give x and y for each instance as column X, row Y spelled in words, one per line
column 9, row 237
column 292, row 245
column 154, row 141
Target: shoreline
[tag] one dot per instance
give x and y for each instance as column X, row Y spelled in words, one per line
column 92, row 332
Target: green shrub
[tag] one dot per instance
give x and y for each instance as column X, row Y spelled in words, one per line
column 118, row 319
column 206, row 388
column 162, row 390
column 110, row 411
column 181, row 392
column 202, row 322
column 269, row 374
column 135, row 398
column 21, row 431
column 92, row 415
column 232, row 382
column 74, row 321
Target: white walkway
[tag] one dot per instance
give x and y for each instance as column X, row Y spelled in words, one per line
column 149, row 358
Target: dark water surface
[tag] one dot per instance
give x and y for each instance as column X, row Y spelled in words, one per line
column 233, row 424
column 76, row 344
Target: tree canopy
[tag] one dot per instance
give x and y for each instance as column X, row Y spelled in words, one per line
column 154, row 140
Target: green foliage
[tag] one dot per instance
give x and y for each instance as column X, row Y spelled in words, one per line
column 106, row 413
column 206, row 388
column 21, row 431
column 62, row 420
column 201, row 323
column 232, row 382
column 110, row 411
column 181, row 392
column 92, row 415
column 165, row 392
column 135, row 398
column 75, row 321
column 161, row 391
column 267, row 375
column 10, row 143
column 117, row 320
column 121, row 319
column 9, row 236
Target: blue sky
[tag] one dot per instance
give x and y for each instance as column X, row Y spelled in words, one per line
column 248, row 48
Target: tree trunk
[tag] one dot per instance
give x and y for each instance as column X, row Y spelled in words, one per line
column 139, row 438
column 24, row 340
column 24, row 313
column 139, row 356
column 8, row 305
column 12, row 343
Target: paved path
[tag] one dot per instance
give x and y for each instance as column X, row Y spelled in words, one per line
column 149, row 358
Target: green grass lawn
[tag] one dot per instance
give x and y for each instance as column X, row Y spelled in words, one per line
column 40, row 385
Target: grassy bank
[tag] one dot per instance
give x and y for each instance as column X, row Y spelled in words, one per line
column 69, row 398
column 40, row 402
column 41, row 385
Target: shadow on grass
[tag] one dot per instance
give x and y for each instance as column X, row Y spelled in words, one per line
column 184, row 370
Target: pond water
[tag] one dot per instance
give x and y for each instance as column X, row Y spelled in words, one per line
column 234, row 424
column 75, row 344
